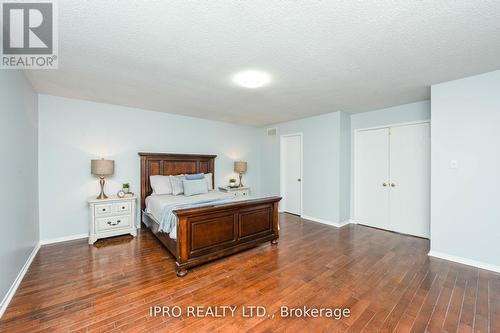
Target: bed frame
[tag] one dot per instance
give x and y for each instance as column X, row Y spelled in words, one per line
column 207, row 233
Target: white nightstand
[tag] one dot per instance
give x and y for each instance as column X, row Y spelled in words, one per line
column 236, row 191
column 111, row 217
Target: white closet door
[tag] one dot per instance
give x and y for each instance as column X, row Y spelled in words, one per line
column 292, row 174
column 410, row 179
column 371, row 178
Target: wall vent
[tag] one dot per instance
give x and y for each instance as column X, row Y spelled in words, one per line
column 272, row 131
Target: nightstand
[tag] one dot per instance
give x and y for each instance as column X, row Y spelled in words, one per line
column 111, row 217
column 236, row 191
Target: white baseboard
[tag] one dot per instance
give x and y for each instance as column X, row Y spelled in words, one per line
column 465, row 261
column 62, row 239
column 345, row 222
column 335, row 224
column 12, row 290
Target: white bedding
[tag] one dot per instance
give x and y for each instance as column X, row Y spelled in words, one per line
column 156, row 203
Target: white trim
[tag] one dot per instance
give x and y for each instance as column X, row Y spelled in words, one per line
column 334, row 224
column 13, row 288
column 301, row 168
column 62, row 239
column 465, row 261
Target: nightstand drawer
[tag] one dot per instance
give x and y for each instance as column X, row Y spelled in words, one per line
column 103, row 209
column 110, row 223
column 121, row 207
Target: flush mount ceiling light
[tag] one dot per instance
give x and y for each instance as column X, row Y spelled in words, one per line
column 252, row 78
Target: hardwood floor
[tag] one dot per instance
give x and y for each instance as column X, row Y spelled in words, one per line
column 385, row 279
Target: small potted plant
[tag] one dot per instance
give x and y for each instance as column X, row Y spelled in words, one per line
column 126, row 187
column 232, row 182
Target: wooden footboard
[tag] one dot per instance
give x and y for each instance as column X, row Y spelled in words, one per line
column 208, row 233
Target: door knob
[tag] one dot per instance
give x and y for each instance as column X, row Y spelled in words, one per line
column 299, row 180
column 393, row 184
column 384, row 184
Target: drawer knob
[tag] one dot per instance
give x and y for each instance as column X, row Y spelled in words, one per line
column 104, row 209
column 111, row 223
column 123, row 207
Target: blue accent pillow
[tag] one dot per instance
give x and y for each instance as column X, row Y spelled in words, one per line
column 196, row 186
column 195, row 176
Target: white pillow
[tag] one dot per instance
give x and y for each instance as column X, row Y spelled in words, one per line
column 208, row 177
column 160, row 184
column 177, row 186
column 196, row 186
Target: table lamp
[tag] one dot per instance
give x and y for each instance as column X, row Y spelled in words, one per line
column 240, row 167
column 102, row 168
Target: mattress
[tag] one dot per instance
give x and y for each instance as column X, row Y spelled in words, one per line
column 156, row 203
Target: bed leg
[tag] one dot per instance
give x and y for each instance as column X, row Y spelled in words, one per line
column 181, row 272
column 274, row 242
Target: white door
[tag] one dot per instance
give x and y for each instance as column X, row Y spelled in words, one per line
column 371, row 178
column 292, row 171
column 410, row 179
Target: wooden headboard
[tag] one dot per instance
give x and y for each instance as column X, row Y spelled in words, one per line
column 172, row 164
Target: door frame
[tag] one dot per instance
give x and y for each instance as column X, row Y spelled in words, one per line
column 353, row 156
column 282, row 168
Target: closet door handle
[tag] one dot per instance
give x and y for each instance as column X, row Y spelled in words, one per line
column 384, row 184
column 393, row 184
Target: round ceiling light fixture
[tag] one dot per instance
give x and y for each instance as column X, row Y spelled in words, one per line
column 252, row 78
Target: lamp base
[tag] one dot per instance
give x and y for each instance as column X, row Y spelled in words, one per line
column 241, row 176
column 102, row 195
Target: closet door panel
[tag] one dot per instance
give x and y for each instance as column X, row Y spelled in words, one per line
column 371, row 173
column 410, row 179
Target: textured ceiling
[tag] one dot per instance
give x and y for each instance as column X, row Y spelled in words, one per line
column 324, row 56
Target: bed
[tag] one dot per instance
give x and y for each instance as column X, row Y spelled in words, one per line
column 209, row 232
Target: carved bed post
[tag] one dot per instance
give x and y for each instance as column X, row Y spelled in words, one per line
column 275, row 223
column 182, row 245
column 144, row 183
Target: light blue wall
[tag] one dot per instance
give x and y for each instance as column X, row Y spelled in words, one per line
column 321, row 163
column 465, row 218
column 328, row 156
column 393, row 115
column 345, row 167
column 18, row 175
column 72, row 132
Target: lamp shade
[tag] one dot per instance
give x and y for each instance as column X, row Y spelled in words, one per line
column 240, row 166
column 102, row 167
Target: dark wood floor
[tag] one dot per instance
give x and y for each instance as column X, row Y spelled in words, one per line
column 386, row 279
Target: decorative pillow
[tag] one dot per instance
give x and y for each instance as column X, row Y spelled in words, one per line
column 177, row 186
column 160, row 184
column 208, row 177
column 195, row 186
column 195, row 176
